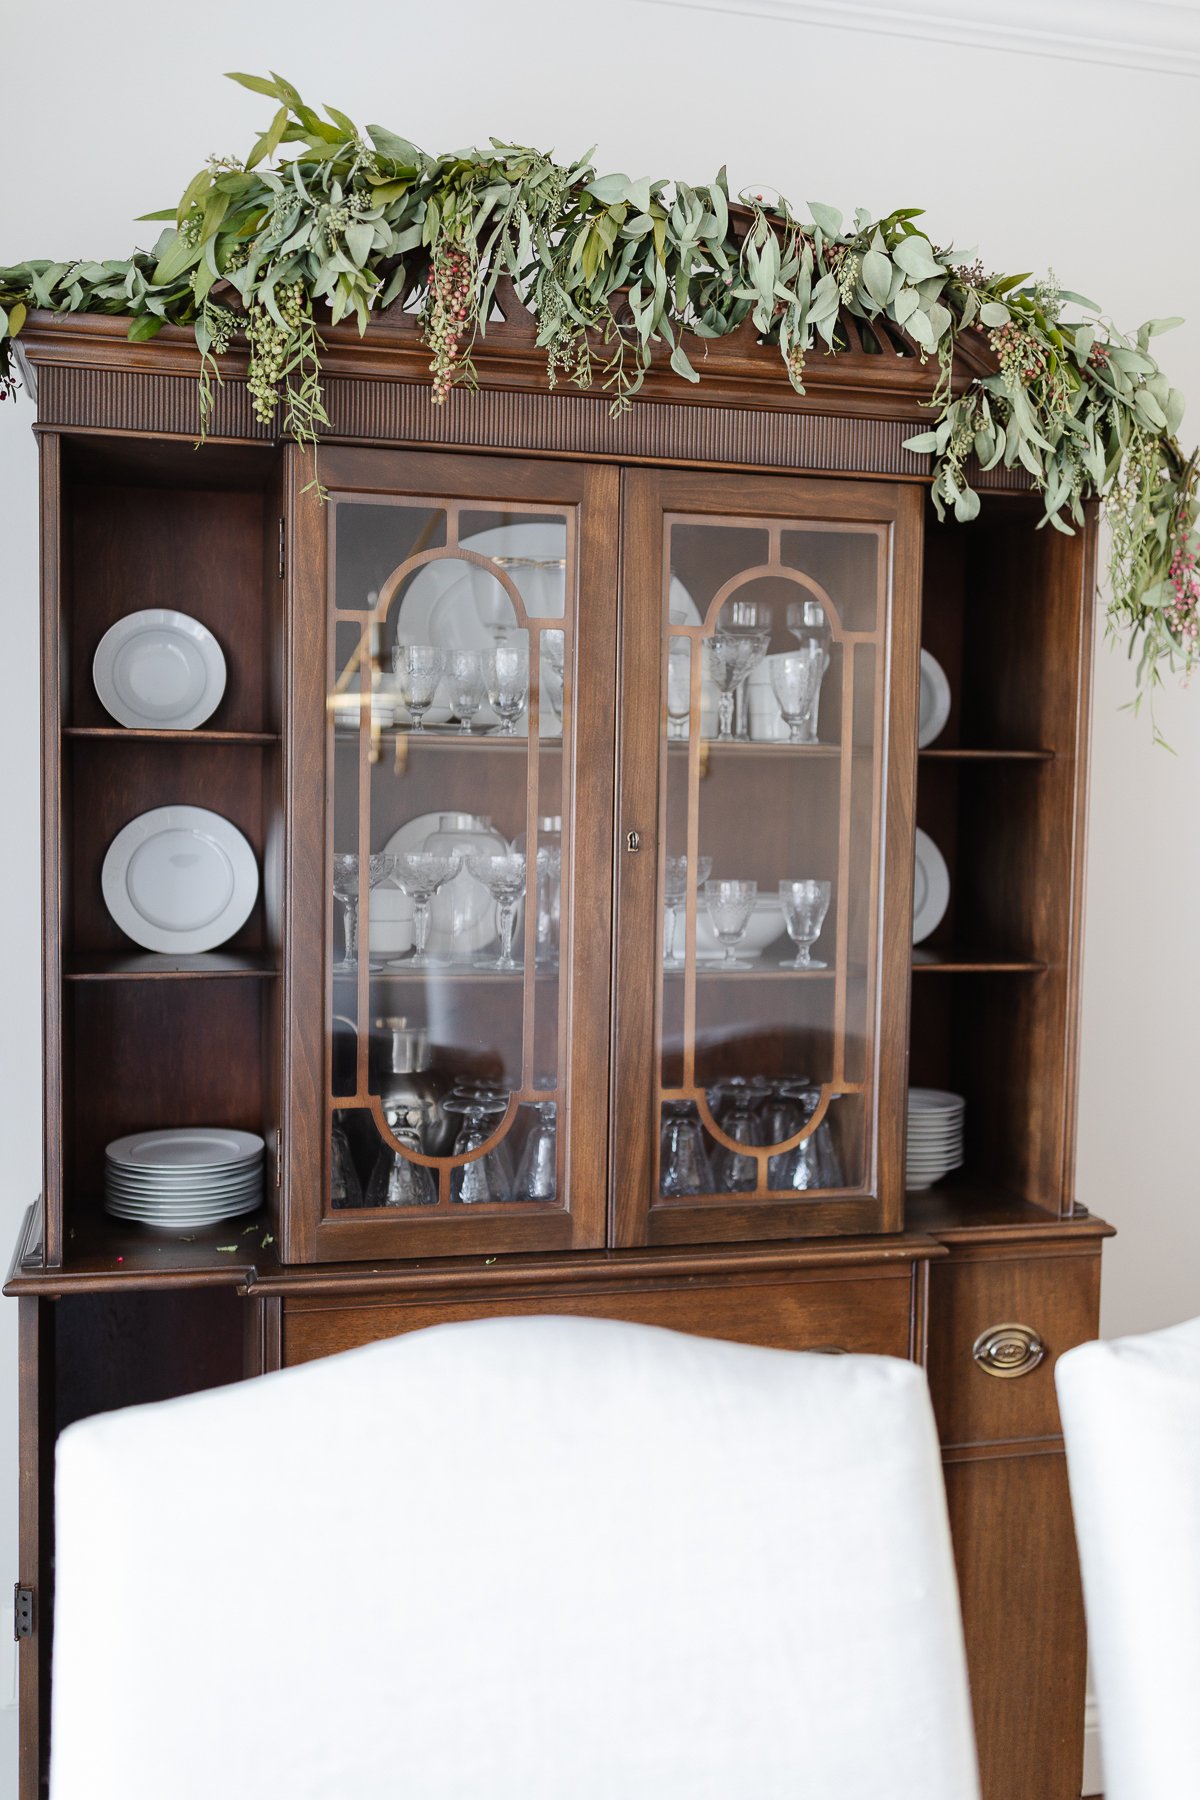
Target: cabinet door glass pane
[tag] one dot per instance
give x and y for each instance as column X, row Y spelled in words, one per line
column 450, row 697
column 773, row 705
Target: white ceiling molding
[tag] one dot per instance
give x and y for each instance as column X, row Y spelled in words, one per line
column 1162, row 36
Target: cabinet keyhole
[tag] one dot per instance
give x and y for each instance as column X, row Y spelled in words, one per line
column 633, row 840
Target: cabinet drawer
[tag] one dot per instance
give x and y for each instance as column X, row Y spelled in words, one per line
column 1049, row 1297
column 870, row 1311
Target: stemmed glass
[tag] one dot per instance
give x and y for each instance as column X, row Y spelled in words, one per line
column 554, row 672
column 487, row 1179
column 796, row 681
column 397, row 1181
column 684, row 1167
column 503, row 875
column 467, row 686
column 506, row 673
column 421, row 873
column 675, row 885
column 800, row 1167
column 805, row 904
column 730, row 904
column 736, row 1174
column 346, row 882
column 536, row 1171
column 679, row 687
column 731, row 657
column 418, row 668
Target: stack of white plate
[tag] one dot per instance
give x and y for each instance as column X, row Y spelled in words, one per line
column 935, row 1136
column 186, row 1178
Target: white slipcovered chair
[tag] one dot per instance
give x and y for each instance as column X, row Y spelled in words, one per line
column 529, row 1559
column 1131, row 1419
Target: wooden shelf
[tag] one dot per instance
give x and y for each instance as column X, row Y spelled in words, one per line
column 936, row 754
column 950, row 959
column 102, row 1254
column 117, row 734
column 149, row 965
column 456, row 972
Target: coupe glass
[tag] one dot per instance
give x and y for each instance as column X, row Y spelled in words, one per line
column 679, row 687
column 395, row 1181
column 467, row 686
column 537, row 1171
column 684, row 1167
column 730, row 904
column 738, row 1100
column 419, row 668
column 675, row 885
column 503, row 875
column 805, row 904
column 488, row 1178
column 731, row 656
column 421, row 873
column 796, row 681
column 346, row 882
column 506, row 673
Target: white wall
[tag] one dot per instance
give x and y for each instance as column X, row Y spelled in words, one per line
column 1036, row 160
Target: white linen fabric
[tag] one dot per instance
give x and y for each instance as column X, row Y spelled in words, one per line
column 1131, row 1418
column 525, row 1559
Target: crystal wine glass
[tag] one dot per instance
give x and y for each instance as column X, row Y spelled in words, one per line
column 730, row 904
column 731, row 656
column 503, row 875
column 419, row 668
column 805, row 904
column 536, row 1171
column 796, row 681
column 734, row 1173
column 506, row 672
column 421, row 873
column 396, row 1180
column 684, row 1167
column 554, row 672
column 346, row 884
column 675, row 886
column 467, row 686
column 487, row 1179
column 679, row 687
column 799, row 1168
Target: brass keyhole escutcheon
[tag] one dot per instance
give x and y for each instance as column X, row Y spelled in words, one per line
column 1009, row 1350
column 633, row 840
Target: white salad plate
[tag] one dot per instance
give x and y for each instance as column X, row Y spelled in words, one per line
column 159, row 670
column 161, row 1182
column 216, row 1209
column 179, row 879
column 186, row 1149
column 463, row 903
column 934, row 1100
column 935, row 700
column 931, row 887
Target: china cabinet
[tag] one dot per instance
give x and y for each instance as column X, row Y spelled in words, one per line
column 579, row 758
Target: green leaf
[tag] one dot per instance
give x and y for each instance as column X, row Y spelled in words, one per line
column 398, row 150
column 146, row 325
column 905, row 304
column 827, row 219
column 877, row 276
column 924, row 444
column 608, row 189
column 1153, row 327
column 993, row 314
column 1151, row 411
column 359, row 238
column 256, row 83
column 681, row 365
column 915, row 257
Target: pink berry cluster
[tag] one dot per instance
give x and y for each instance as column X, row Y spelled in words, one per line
column 451, row 290
column 1098, row 356
column 1018, row 352
column 1180, row 612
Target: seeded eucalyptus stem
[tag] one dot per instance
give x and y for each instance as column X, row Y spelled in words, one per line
column 617, row 272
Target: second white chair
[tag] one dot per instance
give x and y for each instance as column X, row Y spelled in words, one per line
column 539, row 1559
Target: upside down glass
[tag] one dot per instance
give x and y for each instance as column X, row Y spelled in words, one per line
column 684, row 1167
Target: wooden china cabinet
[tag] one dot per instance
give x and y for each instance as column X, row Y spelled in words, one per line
column 560, row 1123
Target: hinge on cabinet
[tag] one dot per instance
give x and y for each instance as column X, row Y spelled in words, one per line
column 281, row 544
column 22, row 1612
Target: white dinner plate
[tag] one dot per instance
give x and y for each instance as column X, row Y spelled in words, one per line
column 931, row 887
column 182, row 1221
column 179, row 879
column 140, row 1187
column 203, row 1209
column 463, row 898
column 933, row 1100
column 159, row 669
column 935, row 700
column 187, row 1147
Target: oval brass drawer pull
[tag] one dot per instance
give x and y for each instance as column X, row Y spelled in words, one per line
column 1008, row 1350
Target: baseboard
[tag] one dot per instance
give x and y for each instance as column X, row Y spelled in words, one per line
column 1093, row 1776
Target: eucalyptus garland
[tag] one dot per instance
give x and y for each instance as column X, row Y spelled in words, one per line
column 618, row 271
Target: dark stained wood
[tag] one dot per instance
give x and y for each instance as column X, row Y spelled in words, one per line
column 35, row 1413
column 1055, row 1290
column 1018, row 1578
column 54, row 1098
column 870, row 1311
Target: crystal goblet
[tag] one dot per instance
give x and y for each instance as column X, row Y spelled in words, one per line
column 679, row 687
column 467, row 686
column 418, row 668
column 805, row 904
column 796, row 682
column 675, row 886
column 421, row 873
column 684, row 1167
column 503, row 875
column 506, row 673
column 487, row 1179
column 730, row 904
column 347, row 881
column 735, row 1173
column 731, row 656
column 537, row 1172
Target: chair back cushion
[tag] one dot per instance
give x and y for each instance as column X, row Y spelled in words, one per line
column 1131, row 1416
column 535, row 1559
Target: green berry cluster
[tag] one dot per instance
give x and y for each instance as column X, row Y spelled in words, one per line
column 272, row 347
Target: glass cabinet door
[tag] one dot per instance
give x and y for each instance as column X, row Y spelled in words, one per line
column 769, row 676
column 467, row 646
